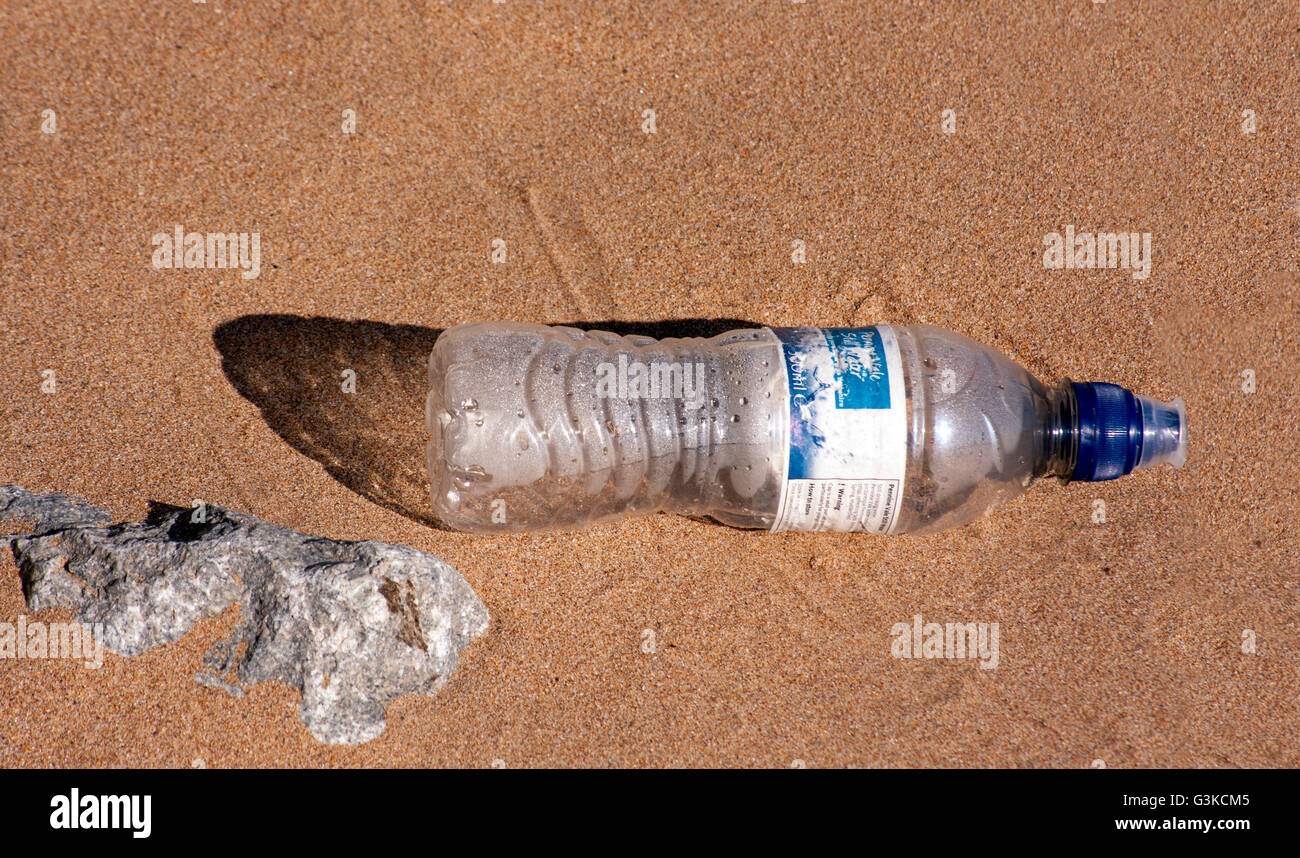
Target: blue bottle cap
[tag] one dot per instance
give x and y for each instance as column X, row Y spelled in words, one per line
column 1110, row 431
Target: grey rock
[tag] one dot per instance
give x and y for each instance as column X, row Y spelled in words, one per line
column 351, row 625
column 23, row 513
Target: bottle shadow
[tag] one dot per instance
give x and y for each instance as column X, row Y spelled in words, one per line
column 350, row 394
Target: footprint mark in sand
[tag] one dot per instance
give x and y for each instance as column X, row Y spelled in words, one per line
column 574, row 252
column 868, row 305
column 883, row 303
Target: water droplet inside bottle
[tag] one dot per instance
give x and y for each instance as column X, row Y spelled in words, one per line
column 469, row 405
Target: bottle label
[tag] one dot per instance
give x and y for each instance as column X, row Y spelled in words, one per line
column 848, row 429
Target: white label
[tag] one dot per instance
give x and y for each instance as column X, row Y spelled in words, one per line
column 848, row 430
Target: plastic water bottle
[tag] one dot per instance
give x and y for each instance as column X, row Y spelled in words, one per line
column 884, row 429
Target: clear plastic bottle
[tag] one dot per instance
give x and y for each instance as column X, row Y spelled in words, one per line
column 882, row 429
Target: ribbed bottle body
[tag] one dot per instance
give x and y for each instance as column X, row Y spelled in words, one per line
column 535, row 427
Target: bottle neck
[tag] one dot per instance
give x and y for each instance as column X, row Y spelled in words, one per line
column 1095, row 430
column 1058, row 433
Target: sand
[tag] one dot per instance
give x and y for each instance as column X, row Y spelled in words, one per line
column 774, row 122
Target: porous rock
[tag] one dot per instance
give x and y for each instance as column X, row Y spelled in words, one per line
column 351, row 625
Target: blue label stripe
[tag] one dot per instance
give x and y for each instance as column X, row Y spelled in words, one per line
column 829, row 369
column 861, row 370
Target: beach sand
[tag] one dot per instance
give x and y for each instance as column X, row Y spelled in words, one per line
column 1121, row 642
